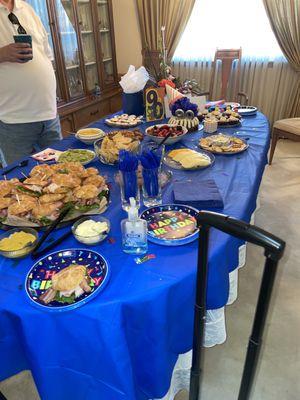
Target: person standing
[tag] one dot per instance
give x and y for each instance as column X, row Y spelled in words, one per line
column 28, row 110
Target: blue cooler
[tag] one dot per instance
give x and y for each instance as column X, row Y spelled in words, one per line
column 133, row 103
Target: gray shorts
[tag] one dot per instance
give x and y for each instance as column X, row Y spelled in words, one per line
column 20, row 140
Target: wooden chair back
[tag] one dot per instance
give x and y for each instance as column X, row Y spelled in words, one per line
column 227, row 58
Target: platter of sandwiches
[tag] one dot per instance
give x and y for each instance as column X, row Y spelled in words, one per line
column 42, row 196
column 66, row 279
column 188, row 159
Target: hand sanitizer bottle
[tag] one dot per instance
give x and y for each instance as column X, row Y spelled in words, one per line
column 134, row 231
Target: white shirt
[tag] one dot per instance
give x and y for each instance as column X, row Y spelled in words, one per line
column 27, row 91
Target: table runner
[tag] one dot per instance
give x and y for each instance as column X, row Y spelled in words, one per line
column 124, row 343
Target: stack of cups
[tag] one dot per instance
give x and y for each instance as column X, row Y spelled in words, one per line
column 151, row 165
column 210, row 125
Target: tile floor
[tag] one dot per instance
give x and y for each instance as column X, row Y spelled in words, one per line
column 278, row 377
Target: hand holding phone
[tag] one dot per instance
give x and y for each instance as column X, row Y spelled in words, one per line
column 16, row 53
column 25, row 39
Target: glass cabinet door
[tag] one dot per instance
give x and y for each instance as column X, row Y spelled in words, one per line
column 85, row 21
column 105, row 40
column 67, row 31
column 40, row 7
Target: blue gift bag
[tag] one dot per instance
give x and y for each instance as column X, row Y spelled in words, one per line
column 133, row 103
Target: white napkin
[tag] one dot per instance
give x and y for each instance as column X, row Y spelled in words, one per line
column 134, row 80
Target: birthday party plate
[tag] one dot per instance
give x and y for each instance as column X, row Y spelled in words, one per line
column 171, row 224
column 247, row 110
column 66, row 279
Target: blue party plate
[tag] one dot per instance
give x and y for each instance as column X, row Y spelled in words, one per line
column 171, row 224
column 38, row 279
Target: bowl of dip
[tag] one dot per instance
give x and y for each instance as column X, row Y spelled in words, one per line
column 91, row 230
column 18, row 242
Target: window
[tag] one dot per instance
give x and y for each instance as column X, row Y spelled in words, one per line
column 228, row 24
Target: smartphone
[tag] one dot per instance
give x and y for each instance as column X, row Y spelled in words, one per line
column 24, row 39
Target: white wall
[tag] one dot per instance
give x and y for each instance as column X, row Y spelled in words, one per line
column 127, row 34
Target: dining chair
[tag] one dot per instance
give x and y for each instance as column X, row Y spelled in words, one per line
column 284, row 128
column 230, row 62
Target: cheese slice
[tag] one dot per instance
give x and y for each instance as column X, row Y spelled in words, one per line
column 176, row 154
column 189, row 158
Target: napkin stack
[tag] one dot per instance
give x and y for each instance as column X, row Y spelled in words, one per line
column 201, row 194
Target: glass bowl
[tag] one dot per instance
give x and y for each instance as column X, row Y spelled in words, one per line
column 95, row 239
column 170, row 140
column 20, row 252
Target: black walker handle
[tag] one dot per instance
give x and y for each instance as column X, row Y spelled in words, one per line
column 273, row 246
column 274, row 249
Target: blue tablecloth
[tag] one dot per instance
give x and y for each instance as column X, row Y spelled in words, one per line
column 125, row 342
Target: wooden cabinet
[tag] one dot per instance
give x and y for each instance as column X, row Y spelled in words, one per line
column 92, row 113
column 67, row 125
column 82, row 40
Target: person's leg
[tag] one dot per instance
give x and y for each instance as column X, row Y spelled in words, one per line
column 51, row 133
column 17, row 140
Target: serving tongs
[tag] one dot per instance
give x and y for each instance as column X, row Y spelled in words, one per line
column 48, row 231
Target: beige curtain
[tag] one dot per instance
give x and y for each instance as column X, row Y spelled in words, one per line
column 284, row 17
column 268, row 84
column 153, row 14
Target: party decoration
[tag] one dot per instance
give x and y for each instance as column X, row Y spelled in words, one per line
column 154, row 104
column 184, row 113
column 173, row 95
column 147, row 257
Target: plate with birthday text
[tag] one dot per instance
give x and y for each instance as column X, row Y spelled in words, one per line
column 66, row 279
column 171, row 224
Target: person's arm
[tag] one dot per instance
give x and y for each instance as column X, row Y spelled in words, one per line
column 15, row 53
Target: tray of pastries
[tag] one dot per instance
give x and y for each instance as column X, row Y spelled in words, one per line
column 223, row 144
column 108, row 148
column 225, row 118
column 124, row 121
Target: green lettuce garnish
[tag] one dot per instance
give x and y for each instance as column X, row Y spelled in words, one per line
column 28, row 191
column 45, row 221
column 64, row 299
column 86, row 208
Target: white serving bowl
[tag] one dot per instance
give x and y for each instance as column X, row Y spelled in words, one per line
column 91, row 240
column 170, row 140
column 89, row 139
